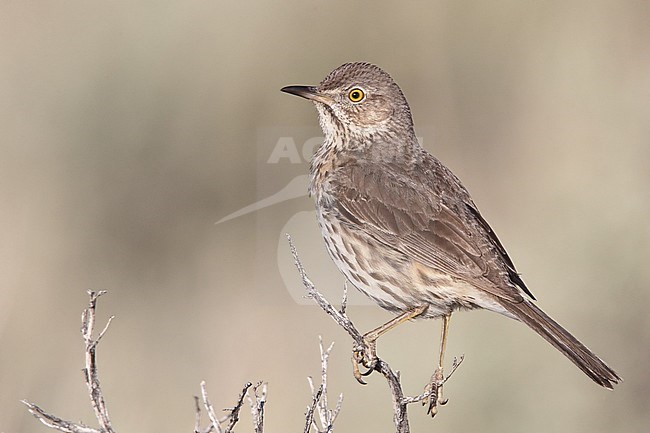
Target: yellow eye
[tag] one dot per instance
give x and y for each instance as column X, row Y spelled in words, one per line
column 356, row 95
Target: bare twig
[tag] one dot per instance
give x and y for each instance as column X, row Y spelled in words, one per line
column 400, row 416
column 90, row 375
column 99, row 405
column 90, row 372
column 344, row 301
column 234, row 412
column 231, row 418
column 340, row 318
column 197, row 418
column 327, row 416
column 309, row 416
column 319, row 403
column 257, row 406
column 57, row 423
column 214, row 422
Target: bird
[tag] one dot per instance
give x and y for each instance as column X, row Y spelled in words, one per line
column 402, row 228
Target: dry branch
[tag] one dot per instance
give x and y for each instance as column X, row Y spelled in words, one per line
column 257, row 406
column 90, row 376
column 318, row 416
column 231, row 419
column 319, row 404
column 255, row 395
column 400, row 402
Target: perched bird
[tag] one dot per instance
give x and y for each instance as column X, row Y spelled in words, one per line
column 401, row 226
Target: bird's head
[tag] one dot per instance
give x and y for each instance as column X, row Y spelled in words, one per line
column 359, row 100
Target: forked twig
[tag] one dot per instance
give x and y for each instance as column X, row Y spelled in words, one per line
column 257, row 402
column 400, row 416
column 90, row 376
column 320, row 405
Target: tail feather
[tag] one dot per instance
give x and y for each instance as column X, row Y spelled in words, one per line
column 561, row 339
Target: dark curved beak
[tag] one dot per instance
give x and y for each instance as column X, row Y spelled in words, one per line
column 308, row 92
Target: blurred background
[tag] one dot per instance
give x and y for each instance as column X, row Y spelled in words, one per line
column 129, row 128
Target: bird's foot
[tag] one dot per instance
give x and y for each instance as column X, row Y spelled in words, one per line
column 433, row 389
column 364, row 354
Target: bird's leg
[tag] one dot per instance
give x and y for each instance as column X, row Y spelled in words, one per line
column 366, row 353
column 438, row 378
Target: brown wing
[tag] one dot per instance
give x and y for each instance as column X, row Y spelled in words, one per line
column 429, row 218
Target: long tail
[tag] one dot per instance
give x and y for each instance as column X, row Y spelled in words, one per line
column 578, row 353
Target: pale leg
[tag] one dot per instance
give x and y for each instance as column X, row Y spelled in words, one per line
column 367, row 355
column 438, row 378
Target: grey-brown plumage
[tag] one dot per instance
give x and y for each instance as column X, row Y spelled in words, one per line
column 400, row 225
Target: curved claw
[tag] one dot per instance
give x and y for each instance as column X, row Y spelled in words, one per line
column 365, row 355
column 432, row 400
column 367, row 373
column 355, row 371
